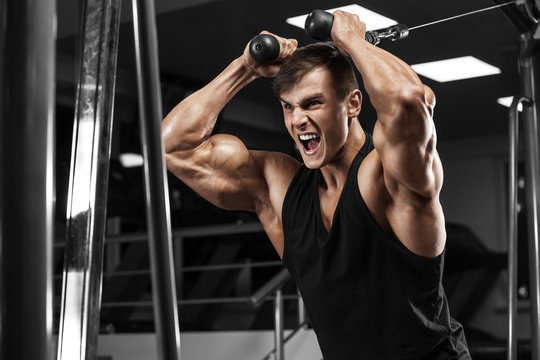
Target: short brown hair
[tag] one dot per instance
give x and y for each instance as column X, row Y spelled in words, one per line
column 311, row 57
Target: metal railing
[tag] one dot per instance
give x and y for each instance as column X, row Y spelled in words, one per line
column 265, row 293
column 273, row 289
column 270, row 291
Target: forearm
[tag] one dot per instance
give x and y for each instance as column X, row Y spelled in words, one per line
column 404, row 134
column 191, row 122
column 404, row 105
column 387, row 79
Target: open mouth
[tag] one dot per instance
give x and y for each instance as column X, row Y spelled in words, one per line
column 310, row 142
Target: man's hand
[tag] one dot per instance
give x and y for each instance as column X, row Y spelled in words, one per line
column 287, row 47
column 346, row 29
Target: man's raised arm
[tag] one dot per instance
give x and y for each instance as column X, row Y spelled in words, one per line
column 404, row 134
column 218, row 167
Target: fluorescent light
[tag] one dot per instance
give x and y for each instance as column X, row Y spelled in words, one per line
column 129, row 160
column 507, row 101
column 372, row 19
column 455, row 69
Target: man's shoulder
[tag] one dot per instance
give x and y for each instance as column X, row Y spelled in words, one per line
column 278, row 170
column 276, row 165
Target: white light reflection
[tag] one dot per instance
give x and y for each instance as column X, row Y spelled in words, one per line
column 507, row 101
column 73, row 341
column 459, row 68
column 80, row 188
column 372, row 19
column 129, row 160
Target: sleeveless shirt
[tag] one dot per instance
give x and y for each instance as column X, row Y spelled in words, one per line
column 367, row 296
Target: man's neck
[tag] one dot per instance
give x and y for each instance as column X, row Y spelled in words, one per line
column 334, row 174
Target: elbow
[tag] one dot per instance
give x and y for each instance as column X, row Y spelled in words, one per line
column 167, row 138
column 416, row 99
column 171, row 139
column 413, row 117
column 169, row 159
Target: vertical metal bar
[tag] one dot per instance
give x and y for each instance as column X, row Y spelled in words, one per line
column 512, row 229
column 278, row 326
column 157, row 196
column 512, row 224
column 301, row 310
column 27, row 191
column 529, row 61
column 89, row 175
column 3, row 49
column 178, row 243
column 112, row 251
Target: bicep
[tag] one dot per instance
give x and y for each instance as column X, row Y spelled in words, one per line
column 221, row 170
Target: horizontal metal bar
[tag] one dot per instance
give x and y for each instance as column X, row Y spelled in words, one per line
column 209, row 301
column 232, row 266
column 270, row 287
column 193, row 269
column 190, row 232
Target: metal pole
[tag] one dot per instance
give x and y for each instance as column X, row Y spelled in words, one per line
column 278, row 326
column 512, row 224
column 529, row 61
column 178, row 247
column 301, row 310
column 27, row 194
column 512, row 229
column 157, row 196
column 89, row 175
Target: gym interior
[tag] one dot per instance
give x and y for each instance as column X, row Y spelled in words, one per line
column 105, row 255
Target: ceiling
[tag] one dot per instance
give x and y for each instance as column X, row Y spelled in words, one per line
column 198, row 38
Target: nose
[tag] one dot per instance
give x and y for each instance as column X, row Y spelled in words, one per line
column 299, row 118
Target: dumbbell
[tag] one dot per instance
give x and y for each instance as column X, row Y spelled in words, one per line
column 265, row 47
column 319, row 25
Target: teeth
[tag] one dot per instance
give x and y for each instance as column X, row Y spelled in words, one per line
column 308, row 137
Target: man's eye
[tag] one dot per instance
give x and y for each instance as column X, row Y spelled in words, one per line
column 288, row 106
column 311, row 102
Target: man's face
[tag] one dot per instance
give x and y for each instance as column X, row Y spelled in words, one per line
column 316, row 119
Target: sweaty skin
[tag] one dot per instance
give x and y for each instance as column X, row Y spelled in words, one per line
column 400, row 180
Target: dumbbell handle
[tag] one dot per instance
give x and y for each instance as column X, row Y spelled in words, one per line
column 264, row 48
column 319, row 25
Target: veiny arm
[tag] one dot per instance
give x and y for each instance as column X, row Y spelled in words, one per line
column 218, row 167
column 404, row 134
column 406, row 172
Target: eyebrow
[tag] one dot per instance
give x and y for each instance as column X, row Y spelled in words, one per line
column 307, row 99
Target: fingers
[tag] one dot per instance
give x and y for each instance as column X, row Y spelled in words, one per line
column 286, row 46
column 346, row 27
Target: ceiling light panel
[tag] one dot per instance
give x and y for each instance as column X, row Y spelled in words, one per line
column 460, row 68
column 372, row 19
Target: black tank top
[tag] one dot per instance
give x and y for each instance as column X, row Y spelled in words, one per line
column 367, row 296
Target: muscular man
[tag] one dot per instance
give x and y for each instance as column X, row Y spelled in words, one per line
column 359, row 224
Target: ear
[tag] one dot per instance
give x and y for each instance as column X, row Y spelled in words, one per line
column 354, row 103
